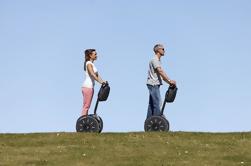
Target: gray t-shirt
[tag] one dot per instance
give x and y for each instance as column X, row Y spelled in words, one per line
column 153, row 77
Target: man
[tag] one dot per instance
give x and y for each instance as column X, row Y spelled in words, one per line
column 154, row 80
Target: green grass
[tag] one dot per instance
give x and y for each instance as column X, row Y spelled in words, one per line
column 120, row 149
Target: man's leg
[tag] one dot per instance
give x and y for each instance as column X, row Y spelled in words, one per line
column 156, row 100
column 150, row 104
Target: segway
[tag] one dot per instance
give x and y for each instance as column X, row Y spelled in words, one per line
column 93, row 122
column 160, row 123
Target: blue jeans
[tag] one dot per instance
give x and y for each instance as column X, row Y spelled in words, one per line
column 154, row 101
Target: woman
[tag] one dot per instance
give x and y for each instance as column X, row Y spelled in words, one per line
column 91, row 74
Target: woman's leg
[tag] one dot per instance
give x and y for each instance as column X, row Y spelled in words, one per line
column 87, row 99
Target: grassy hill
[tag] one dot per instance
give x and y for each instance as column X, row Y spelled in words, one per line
column 173, row 148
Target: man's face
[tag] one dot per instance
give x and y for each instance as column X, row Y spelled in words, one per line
column 161, row 51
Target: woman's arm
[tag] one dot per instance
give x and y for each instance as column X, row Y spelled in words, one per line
column 99, row 77
column 93, row 75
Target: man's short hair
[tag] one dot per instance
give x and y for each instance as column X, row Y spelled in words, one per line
column 157, row 46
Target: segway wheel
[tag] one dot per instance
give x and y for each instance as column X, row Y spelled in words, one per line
column 156, row 123
column 87, row 124
column 100, row 122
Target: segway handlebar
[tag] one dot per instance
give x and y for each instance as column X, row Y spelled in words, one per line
column 104, row 92
column 102, row 95
column 171, row 93
column 170, row 96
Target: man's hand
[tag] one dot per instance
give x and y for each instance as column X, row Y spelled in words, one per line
column 165, row 77
column 172, row 82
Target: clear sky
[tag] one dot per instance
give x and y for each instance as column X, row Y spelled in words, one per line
column 208, row 53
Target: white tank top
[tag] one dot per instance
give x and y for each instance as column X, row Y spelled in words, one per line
column 89, row 82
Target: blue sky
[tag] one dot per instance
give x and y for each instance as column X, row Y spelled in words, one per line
column 208, row 53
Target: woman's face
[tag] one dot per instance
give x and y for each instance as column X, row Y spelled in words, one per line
column 93, row 55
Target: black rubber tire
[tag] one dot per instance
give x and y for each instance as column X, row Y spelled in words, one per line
column 100, row 121
column 87, row 124
column 156, row 123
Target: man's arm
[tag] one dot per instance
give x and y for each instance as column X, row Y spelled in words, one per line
column 165, row 77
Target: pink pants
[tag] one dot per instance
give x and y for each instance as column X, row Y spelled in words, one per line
column 87, row 99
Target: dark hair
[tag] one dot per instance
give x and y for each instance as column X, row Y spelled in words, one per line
column 88, row 52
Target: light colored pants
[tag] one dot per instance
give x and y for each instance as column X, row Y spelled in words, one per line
column 87, row 99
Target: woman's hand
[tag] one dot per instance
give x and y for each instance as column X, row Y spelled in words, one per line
column 104, row 83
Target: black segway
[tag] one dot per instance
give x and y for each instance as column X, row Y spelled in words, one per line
column 93, row 122
column 160, row 123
